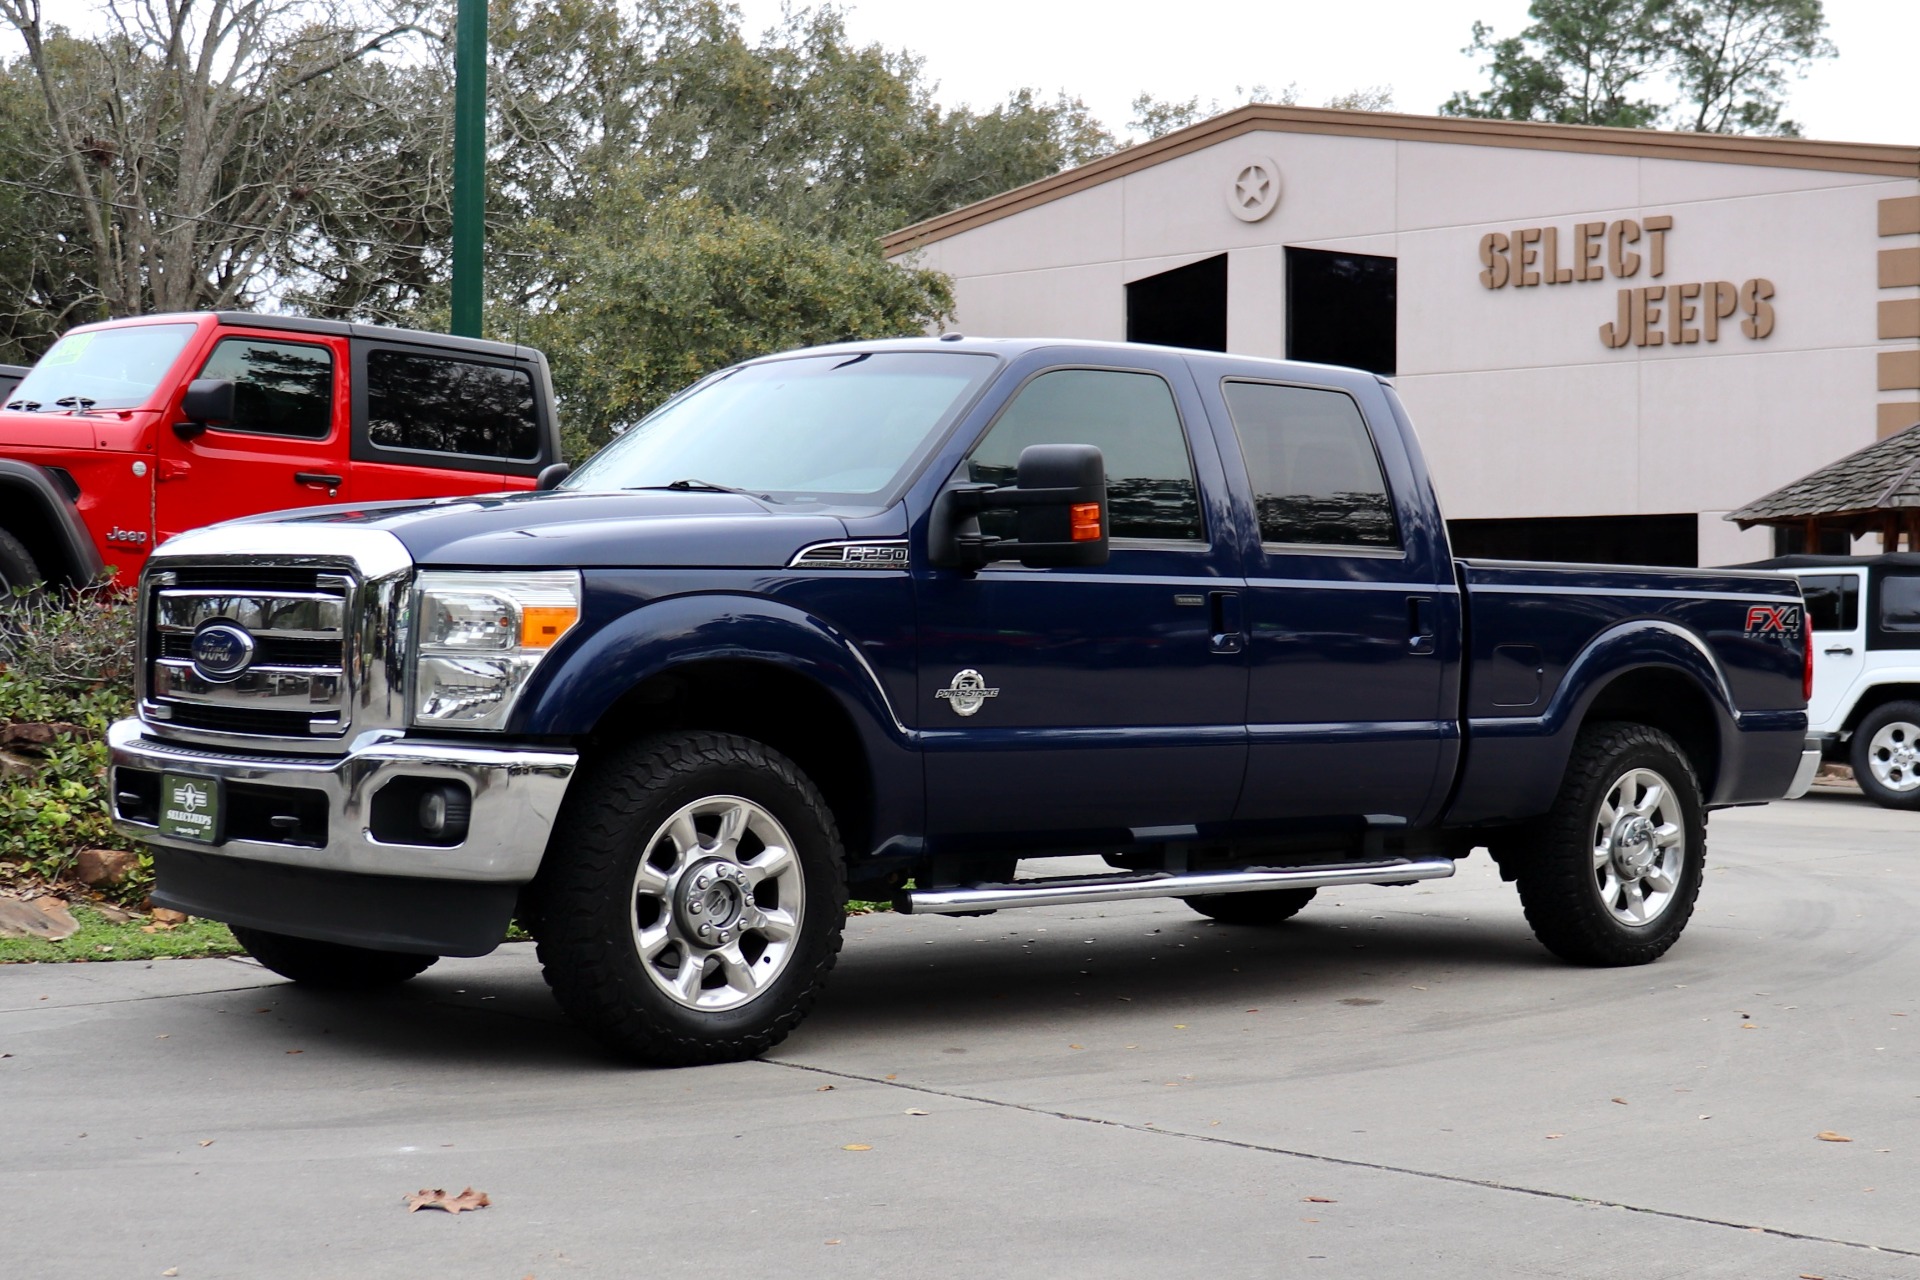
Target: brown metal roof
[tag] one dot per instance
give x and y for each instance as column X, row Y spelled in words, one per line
column 1884, row 476
column 1882, row 159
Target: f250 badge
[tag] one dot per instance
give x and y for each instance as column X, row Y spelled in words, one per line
column 1773, row 617
column 967, row 692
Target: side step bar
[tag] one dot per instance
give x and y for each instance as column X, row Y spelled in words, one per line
column 1078, row 890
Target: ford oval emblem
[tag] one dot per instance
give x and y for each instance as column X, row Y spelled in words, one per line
column 221, row 651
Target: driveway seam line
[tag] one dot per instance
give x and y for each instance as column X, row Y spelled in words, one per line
column 1485, row 1183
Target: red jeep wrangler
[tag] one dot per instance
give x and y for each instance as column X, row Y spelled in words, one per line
column 131, row 431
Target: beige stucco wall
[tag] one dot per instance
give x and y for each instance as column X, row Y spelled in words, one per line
column 1522, row 409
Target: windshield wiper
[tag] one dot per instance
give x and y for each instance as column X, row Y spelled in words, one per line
column 81, row 403
column 695, row 486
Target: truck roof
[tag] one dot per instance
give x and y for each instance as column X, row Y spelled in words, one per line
column 1009, row 347
column 341, row 329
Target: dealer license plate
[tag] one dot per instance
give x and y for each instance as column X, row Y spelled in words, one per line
column 191, row 807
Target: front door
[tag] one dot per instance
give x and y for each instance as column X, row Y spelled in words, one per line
column 1102, row 704
column 1839, row 639
column 1353, row 621
column 286, row 445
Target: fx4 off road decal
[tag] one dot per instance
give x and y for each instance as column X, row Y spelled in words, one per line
column 1773, row 617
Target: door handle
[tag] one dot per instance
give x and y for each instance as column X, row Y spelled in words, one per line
column 1846, row 650
column 1223, row 608
column 316, row 477
column 1419, row 624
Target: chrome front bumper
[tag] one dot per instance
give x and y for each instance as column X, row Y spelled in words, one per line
column 516, row 798
column 1803, row 776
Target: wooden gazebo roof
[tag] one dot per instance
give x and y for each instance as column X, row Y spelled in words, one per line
column 1861, row 490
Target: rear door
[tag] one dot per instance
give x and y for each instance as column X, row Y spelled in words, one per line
column 1099, row 703
column 1352, row 613
column 1839, row 643
column 286, row 445
column 432, row 423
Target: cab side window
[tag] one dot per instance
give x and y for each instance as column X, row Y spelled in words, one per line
column 279, row 388
column 1833, row 603
column 1316, row 478
column 1900, row 604
column 1151, row 490
column 441, row 405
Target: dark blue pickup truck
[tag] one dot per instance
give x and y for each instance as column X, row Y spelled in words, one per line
column 889, row 618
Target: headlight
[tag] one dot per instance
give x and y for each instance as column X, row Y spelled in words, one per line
column 480, row 637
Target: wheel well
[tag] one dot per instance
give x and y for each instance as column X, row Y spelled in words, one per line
column 1875, row 698
column 769, row 704
column 24, row 514
column 1673, row 703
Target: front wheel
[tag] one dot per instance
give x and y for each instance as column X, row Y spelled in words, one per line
column 693, row 900
column 1886, row 755
column 1616, row 868
column 330, row 965
column 17, row 568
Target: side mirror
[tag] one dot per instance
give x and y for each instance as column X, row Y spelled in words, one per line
column 551, row 475
column 1059, row 497
column 208, row 400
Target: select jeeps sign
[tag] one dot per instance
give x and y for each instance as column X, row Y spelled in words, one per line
column 1646, row 315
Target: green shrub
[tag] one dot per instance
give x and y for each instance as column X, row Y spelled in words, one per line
column 66, row 673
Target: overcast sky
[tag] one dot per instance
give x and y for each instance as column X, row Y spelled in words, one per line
column 1106, row 52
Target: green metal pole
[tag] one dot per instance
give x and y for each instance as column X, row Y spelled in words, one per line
column 469, row 164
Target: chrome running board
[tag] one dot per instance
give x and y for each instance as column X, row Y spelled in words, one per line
column 1080, row 890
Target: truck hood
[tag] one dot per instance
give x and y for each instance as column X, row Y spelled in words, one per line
column 639, row 529
column 113, row 429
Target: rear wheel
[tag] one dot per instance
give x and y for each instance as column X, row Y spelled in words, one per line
column 1269, row 906
column 1886, row 755
column 1616, row 866
column 693, row 900
column 330, row 964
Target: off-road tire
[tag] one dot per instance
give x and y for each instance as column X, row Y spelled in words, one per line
column 1860, row 752
column 1556, row 877
column 330, row 965
column 1268, row 906
column 17, row 567
column 583, row 905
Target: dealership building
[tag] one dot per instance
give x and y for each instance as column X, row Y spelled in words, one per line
column 1608, row 338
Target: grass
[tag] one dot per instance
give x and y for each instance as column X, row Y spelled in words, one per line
column 101, row 939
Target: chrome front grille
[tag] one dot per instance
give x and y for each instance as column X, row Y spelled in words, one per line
column 298, row 683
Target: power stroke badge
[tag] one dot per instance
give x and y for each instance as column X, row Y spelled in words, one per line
column 967, row 692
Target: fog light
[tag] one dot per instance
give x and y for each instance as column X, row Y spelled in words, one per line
column 443, row 812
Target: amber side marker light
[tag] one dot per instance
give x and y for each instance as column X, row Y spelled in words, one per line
column 1085, row 517
column 542, row 625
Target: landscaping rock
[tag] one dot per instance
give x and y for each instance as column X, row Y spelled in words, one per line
column 38, row 735
column 164, row 915
column 13, row 766
column 110, row 913
column 47, row 919
column 101, row 867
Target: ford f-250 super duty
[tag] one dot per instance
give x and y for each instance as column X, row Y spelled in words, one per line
column 891, row 616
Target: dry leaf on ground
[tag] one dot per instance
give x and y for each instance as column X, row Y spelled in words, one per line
column 438, row 1199
column 1621, row 1101
column 856, row 1146
column 1318, row 1200
column 825, row 1088
column 1828, row 1135
column 915, row 1111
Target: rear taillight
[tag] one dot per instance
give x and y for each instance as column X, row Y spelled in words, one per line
column 1806, row 670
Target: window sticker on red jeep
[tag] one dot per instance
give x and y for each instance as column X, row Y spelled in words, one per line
column 1773, row 617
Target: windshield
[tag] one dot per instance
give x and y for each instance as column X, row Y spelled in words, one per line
column 808, row 428
column 103, row 369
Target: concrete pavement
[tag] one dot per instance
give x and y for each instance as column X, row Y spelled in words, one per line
column 1400, row 1081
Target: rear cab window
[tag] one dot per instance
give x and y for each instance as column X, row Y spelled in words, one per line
column 1318, row 485
column 438, row 404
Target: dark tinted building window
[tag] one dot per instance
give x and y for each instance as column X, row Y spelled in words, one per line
column 441, row 405
column 279, row 388
column 1150, row 486
column 1316, row 478
column 1342, row 309
column 1900, row 604
column 1184, row 307
column 1833, row 604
